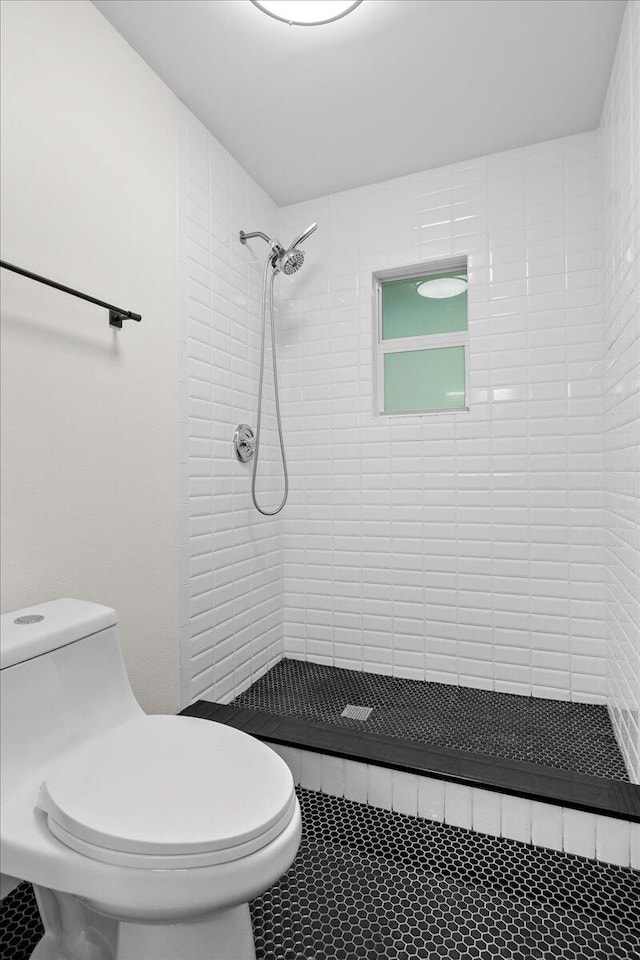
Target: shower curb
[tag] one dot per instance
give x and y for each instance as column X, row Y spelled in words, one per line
column 448, row 786
column 610, row 798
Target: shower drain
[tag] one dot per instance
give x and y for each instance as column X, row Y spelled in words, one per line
column 356, row 713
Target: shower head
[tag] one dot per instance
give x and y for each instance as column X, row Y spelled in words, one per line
column 286, row 261
column 290, row 261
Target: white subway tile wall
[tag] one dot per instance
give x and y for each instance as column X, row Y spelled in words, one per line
column 231, row 557
column 621, row 294
column 461, row 548
column 485, row 811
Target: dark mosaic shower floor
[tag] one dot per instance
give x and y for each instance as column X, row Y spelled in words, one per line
column 569, row 736
column 368, row 883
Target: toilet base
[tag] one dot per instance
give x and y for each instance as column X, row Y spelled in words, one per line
column 226, row 935
column 75, row 931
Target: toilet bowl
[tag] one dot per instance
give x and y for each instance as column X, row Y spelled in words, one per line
column 145, row 836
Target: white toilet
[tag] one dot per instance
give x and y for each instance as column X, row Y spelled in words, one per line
column 145, row 836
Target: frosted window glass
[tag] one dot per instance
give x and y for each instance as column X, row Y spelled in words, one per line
column 424, row 379
column 406, row 314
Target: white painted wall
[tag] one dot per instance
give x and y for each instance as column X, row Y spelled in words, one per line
column 89, row 468
column 231, row 579
column 621, row 288
column 460, row 548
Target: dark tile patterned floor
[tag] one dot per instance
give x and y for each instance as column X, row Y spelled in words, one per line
column 570, row 736
column 20, row 924
column 368, row 883
column 374, row 884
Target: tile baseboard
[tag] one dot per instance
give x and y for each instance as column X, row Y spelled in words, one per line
column 565, row 830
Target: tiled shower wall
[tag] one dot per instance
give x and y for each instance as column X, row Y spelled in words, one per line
column 621, row 294
column 231, row 557
column 461, row 548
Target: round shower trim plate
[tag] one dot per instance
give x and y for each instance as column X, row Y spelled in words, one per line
column 244, row 442
column 285, row 10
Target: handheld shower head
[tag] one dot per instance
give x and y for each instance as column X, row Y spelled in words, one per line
column 304, row 236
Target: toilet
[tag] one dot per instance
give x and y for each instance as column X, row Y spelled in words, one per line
column 145, row 837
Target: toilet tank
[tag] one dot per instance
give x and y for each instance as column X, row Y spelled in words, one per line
column 62, row 681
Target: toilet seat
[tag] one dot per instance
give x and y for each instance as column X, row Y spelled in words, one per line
column 164, row 792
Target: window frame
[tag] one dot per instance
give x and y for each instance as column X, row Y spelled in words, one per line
column 427, row 341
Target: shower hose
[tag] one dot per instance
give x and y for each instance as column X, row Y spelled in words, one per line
column 267, row 307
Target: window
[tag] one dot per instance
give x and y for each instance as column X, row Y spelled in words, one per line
column 421, row 339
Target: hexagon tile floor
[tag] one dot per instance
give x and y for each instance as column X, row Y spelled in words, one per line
column 20, row 927
column 555, row 733
column 377, row 885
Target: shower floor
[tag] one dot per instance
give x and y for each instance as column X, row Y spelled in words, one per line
column 574, row 737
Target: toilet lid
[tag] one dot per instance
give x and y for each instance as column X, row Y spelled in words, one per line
column 169, row 791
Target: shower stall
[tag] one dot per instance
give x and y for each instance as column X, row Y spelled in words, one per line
column 439, row 592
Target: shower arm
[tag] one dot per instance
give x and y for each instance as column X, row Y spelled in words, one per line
column 248, row 236
column 276, row 247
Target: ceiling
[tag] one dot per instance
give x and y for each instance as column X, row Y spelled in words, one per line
column 395, row 87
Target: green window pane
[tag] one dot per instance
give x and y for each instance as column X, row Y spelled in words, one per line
column 424, row 379
column 405, row 313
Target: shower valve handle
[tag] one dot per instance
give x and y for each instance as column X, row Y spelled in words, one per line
column 244, row 442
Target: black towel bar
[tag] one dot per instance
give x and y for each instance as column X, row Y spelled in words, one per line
column 116, row 315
